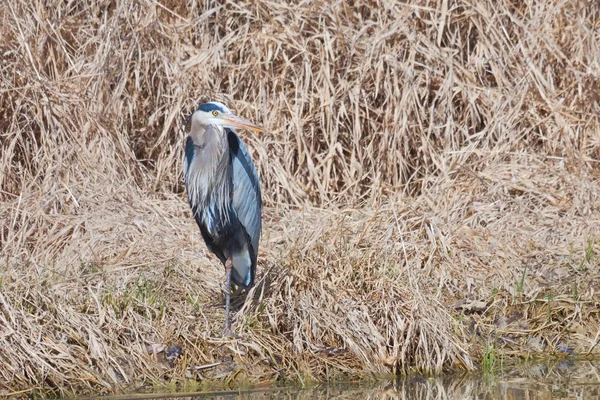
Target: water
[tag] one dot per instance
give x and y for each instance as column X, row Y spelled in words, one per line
column 532, row 381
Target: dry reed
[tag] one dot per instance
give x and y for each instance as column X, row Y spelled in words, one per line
column 429, row 171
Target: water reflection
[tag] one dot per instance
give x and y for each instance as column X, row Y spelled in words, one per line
column 531, row 381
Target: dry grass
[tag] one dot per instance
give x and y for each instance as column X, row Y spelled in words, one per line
column 429, row 170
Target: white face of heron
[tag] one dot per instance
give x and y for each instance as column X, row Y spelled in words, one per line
column 221, row 116
column 205, row 118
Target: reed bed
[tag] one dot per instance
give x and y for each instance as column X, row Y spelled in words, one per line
column 429, row 170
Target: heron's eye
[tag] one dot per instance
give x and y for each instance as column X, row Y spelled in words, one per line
column 215, row 113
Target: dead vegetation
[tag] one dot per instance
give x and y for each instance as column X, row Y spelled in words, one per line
column 429, row 171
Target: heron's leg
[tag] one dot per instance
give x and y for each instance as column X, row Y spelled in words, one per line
column 228, row 266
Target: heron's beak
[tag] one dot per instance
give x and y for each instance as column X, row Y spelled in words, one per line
column 234, row 121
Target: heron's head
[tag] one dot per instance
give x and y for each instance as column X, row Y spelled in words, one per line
column 215, row 113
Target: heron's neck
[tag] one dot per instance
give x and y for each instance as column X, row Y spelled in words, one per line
column 212, row 142
column 206, row 135
column 210, row 166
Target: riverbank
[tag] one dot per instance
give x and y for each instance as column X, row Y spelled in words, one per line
column 348, row 294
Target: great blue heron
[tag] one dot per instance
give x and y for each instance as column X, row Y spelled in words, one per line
column 224, row 193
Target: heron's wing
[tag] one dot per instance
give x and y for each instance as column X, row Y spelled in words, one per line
column 188, row 157
column 247, row 199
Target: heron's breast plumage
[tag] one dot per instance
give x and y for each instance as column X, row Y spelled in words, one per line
column 208, row 187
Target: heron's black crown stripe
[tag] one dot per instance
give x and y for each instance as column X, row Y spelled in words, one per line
column 208, row 107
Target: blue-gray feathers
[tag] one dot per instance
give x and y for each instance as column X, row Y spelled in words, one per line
column 247, row 198
column 189, row 152
column 230, row 230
